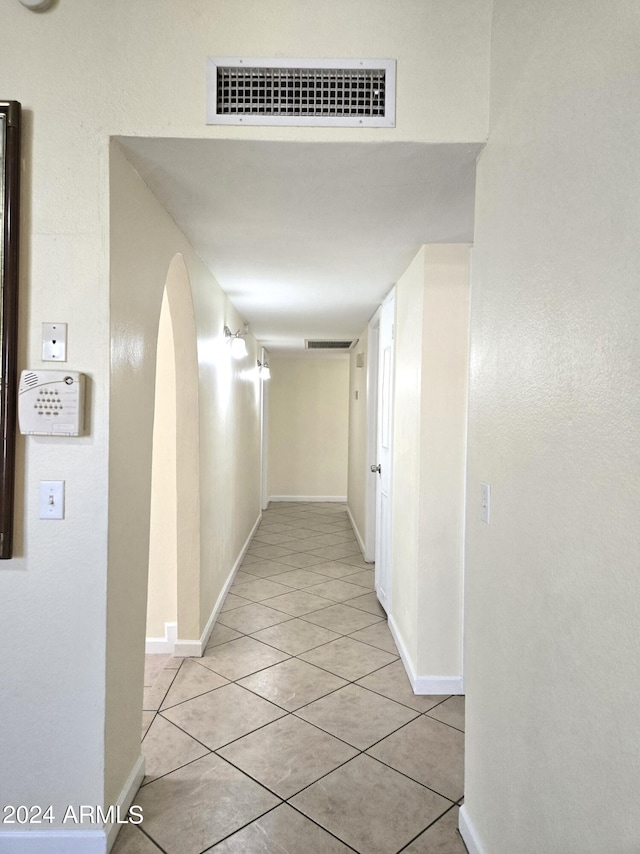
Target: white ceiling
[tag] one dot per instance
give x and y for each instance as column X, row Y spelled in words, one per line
column 308, row 238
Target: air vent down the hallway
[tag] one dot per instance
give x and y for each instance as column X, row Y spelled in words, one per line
column 326, row 344
column 358, row 93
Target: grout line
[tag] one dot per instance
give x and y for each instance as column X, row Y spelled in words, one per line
column 152, row 840
column 303, row 516
column 424, row 829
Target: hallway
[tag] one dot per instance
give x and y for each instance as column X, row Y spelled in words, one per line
column 297, row 730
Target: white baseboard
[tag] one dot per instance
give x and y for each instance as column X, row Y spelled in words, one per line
column 469, row 833
column 356, row 532
column 424, row 684
column 125, row 799
column 165, row 645
column 307, row 498
column 196, row 648
column 54, row 841
column 63, row 840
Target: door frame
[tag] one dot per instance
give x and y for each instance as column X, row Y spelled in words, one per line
column 373, row 341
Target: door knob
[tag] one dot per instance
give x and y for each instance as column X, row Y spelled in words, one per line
column 377, row 468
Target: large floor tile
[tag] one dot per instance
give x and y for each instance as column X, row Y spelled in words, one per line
column 295, row 636
column 131, row 840
column 342, row 618
column 200, row 804
column 222, row 634
column 269, row 552
column 299, row 602
column 442, row 837
column 259, row 589
column 252, row 618
column 336, row 552
column 153, row 697
column 369, row 806
column 233, row 601
column 427, row 751
column 287, row 755
column 271, row 538
column 356, row 715
column 166, row 748
column 279, row 831
column 240, row 657
column 335, row 569
column 335, row 539
column 147, row 719
column 392, row 682
column 240, row 577
column 260, row 568
column 299, row 578
column 292, row 683
column 153, row 667
column 192, row 680
column 368, row 602
column 300, row 560
column 377, row 635
column 358, row 561
column 338, row 589
column 348, row 658
column 450, row 712
column 221, row 716
column 364, row 577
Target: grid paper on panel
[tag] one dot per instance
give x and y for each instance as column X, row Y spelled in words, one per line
column 301, row 92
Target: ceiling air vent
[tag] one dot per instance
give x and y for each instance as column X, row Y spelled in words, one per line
column 324, row 344
column 339, row 92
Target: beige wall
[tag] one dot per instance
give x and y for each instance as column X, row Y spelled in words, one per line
column 430, row 412
column 162, row 597
column 308, row 427
column 553, row 719
column 406, row 454
column 144, row 241
column 358, row 466
column 109, row 69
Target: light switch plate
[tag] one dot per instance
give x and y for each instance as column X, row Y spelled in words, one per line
column 54, row 342
column 52, row 499
column 485, row 502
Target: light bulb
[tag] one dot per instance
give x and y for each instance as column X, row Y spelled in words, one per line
column 238, row 347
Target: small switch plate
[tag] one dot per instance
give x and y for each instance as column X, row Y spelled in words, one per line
column 52, row 499
column 54, row 342
column 485, row 502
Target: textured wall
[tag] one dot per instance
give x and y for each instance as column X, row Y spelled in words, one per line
column 553, row 587
column 308, row 427
column 120, row 68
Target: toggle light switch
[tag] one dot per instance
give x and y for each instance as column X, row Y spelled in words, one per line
column 485, row 502
column 52, row 499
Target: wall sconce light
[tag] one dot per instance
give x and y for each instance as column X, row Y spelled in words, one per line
column 238, row 344
column 264, row 372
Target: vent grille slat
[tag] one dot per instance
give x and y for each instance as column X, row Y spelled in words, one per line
column 296, row 91
column 301, row 92
column 327, row 344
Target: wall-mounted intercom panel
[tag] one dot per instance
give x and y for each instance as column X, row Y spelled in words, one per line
column 51, row 403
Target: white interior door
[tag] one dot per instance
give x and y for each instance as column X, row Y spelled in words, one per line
column 382, row 468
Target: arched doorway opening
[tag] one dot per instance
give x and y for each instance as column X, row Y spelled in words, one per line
column 173, row 604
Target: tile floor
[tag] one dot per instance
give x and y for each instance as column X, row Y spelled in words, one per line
column 297, row 731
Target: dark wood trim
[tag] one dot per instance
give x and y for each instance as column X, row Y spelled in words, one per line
column 9, row 321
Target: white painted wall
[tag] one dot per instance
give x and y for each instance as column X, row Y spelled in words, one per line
column 162, row 597
column 112, row 69
column 359, row 474
column 430, row 413
column 553, row 719
column 308, row 428
column 143, row 242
